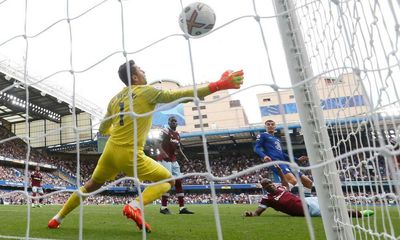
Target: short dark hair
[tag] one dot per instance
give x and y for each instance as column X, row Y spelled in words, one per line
column 171, row 117
column 269, row 120
column 122, row 73
column 265, row 181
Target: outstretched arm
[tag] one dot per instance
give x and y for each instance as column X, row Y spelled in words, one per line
column 183, row 154
column 259, row 150
column 228, row 80
column 256, row 213
column 284, row 181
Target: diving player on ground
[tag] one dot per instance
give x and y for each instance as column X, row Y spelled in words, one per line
column 280, row 199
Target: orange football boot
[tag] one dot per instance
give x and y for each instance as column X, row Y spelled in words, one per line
column 53, row 223
column 136, row 216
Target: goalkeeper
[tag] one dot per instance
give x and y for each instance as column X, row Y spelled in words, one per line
column 118, row 153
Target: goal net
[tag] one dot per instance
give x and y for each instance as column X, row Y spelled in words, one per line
column 342, row 60
column 344, row 66
column 255, row 199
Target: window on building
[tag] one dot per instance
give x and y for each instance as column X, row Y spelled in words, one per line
column 201, row 107
column 197, row 117
column 331, row 80
column 198, row 125
column 291, row 96
column 342, row 102
column 266, row 99
column 216, row 97
column 234, row 103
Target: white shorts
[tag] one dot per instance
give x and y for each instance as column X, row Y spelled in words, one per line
column 37, row 190
column 173, row 168
column 313, row 206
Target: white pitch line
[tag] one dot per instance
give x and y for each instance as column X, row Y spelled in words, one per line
column 16, row 237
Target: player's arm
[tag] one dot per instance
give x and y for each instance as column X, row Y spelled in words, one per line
column 183, row 154
column 228, row 80
column 284, row 180
column 259, row 150
column 106, row 124
column 297, row 160
column 256, row 213
column 160, row 143
column 302, row 159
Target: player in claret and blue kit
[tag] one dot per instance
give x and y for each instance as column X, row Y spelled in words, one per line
column 36, row 183
column 169, row 146
column 280, row 199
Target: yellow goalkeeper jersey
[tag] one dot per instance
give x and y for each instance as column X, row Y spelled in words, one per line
column 120, row 125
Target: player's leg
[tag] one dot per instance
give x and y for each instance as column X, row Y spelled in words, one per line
column 72, row 202
column 306, row 181
column 165, row 197
column 289, row 176
column 41, row 193
column 176, row 172
column 104, row 171
column 34, row 193
column 150, row 170
column 292, row 180
column 313, row 206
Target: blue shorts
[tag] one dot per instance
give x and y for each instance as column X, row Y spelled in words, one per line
column 313, row 206
column 173, row 168
column 285, row 169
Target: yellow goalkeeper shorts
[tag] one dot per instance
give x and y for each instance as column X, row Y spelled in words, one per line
column 116, row 159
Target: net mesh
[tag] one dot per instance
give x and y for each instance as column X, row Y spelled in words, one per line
column 353, row 52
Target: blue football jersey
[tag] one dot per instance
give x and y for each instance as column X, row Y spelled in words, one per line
column 269, row 145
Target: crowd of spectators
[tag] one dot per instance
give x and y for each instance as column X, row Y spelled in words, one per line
column 16, row 175
column 60, row 198
column 362, row 168
column 222, row 165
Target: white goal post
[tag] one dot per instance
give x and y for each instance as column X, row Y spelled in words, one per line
column 343, row 61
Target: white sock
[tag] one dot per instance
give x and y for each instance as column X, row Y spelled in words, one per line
column 163, row 207
column 58, row 218
column 181, row 208
column 134, row 204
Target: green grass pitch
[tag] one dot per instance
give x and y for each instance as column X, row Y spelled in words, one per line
column 107, row 222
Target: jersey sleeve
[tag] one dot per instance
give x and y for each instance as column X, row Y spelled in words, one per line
column 263, row 202
column 258, row 148
column 161, row 96
column 106, row 124
column 164, row 137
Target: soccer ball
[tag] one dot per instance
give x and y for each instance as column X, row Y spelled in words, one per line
column 200, row 19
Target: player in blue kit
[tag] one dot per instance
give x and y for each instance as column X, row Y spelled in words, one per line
column 268, row 147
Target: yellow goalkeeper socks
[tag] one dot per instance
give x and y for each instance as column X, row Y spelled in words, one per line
column 154, row 192
column 71, row 204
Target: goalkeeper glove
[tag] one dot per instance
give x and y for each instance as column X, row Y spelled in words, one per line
column 229, row 80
